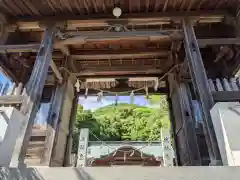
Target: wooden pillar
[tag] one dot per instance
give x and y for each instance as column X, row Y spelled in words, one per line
column 53, row 122
column 67, row 158
column 200, row 83
column 58, row 124
column 32, row 94
column 183, row 129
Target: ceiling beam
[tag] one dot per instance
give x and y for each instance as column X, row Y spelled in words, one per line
column 123, row 54
column 118, row 36
column 103, row 20
column 119, row 70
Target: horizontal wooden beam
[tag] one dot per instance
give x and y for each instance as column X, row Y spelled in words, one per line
column 125, row 54
column 117, row 36
column 104, row 20
column 116, row 71
column 19, row 48
column 218, row 41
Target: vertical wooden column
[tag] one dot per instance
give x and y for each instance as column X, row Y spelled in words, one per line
column 58, row 126
column 53, row 122
column 67, row 158
column 33, row 93
column 199, row 79
column 183, row 121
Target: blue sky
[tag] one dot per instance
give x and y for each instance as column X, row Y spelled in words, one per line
column 3, row 78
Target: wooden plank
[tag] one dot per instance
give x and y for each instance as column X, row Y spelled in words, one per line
column 218, row 41
column 33, row 93
column 200, row 83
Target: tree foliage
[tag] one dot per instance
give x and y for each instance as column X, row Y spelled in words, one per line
column 121, row 122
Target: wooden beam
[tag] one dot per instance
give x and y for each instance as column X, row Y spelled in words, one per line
column 33, row 92
column 116, row 71
column 117, row 36
column 200, row 83
column 104, row 20
column 19, row 48
column 56, row 71
column 126, row 54
column 218, row 41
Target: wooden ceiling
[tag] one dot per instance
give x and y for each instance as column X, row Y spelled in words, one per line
column 90, row 43
column 38, row 8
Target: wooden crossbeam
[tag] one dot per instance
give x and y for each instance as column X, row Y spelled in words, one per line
column 125, row 54
column 117, row 36
column 146, row 69
column 104, row 20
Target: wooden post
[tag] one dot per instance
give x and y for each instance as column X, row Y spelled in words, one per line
column 199, row 79
column 53, row 121
column 33, row 93
column 58, row 125
column 67, row 158
column 183, row 129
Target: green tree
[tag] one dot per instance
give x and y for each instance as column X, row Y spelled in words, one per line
column 121, row 122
